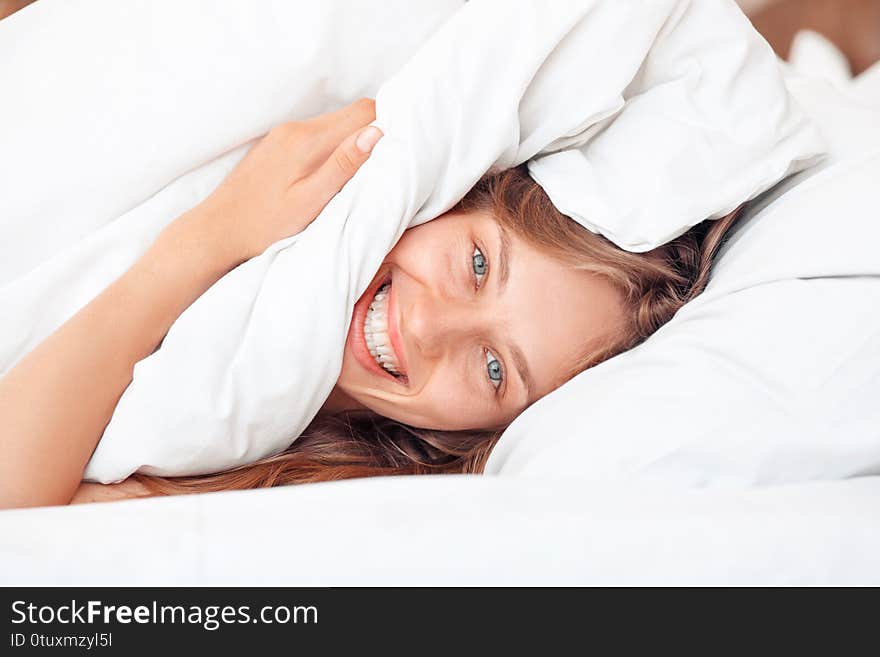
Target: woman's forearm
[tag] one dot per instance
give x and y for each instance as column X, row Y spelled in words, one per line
column 56, row 402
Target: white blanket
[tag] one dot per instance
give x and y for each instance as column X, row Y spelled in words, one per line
column 456, row 531
column 651, row 116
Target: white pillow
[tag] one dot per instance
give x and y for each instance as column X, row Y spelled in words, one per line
column 704, row 124
column 772, row 375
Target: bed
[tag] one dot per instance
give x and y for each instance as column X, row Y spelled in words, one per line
column 456, row 531
column 773, row 476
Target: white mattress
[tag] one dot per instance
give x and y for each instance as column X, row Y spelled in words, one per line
column 462, row 530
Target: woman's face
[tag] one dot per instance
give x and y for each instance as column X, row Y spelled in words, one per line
column 473, row 324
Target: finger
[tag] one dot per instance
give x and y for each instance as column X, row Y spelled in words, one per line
column 333, row 128
column 314, row 192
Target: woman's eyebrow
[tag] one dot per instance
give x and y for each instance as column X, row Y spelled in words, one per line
column 522, row 368
column 519, row 359
column 503, row 257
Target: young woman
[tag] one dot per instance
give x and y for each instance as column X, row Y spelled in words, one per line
column 470, row 319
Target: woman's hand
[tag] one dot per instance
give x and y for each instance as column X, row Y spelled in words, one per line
column 285, row 181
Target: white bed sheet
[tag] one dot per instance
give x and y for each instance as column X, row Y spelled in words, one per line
column 456, row 530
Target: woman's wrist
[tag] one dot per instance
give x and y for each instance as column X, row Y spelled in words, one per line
column 199, row 236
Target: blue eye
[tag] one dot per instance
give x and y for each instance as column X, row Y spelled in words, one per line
column 493, row 369
column 478, row 262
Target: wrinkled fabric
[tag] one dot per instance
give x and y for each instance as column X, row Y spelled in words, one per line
column 639, row 119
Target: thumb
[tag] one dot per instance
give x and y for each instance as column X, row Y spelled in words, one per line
column 316, row 190
column 348, row 157
column 308, row 197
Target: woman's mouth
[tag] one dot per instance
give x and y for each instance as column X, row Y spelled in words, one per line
column 376, row 333
column 377, row 344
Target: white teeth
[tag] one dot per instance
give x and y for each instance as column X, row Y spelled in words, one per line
column 376, row 332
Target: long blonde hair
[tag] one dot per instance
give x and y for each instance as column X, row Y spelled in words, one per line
column 654, row 285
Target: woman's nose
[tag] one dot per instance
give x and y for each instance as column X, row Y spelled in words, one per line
column 436, row 324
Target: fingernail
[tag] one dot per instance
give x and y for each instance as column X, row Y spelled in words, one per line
column 368, row 138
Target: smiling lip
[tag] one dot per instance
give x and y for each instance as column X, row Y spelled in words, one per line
column 394, row 330
column 356, row 341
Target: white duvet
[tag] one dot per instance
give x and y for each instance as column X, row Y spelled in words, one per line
column 640, row 119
